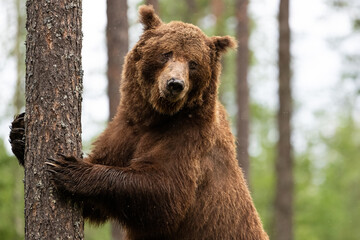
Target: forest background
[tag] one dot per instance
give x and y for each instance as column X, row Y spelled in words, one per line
column 325, row 84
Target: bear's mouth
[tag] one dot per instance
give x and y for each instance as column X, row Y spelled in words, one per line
column 169, row 104
column 172, row 95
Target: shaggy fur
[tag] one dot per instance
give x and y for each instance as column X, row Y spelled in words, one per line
column 165, row 167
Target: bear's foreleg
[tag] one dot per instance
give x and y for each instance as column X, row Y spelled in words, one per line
column 143, row 195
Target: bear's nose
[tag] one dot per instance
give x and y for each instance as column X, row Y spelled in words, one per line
column 175, row 86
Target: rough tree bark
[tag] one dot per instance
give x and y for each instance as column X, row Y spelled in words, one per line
column 117, row 46
column 284, row 164
column 242, row 89
column 53, row 113
column 155, row 4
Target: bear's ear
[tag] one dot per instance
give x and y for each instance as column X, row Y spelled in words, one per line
column 222, row 44
column 148, row 17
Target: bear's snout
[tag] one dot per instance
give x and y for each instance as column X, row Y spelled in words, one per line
column 173, row 81
column 175, row 86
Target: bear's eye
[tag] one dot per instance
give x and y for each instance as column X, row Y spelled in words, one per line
column 192, row 65
column 167, row 55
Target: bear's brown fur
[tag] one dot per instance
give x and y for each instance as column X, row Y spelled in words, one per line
column 165, row 167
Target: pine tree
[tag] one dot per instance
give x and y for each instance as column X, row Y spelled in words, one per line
column 284, row 163
column 53, row 114
column 242, row 89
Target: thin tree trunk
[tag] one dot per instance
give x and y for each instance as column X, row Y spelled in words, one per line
column 154, row 3
column 242, row 89
column 117, row 45
column 218, row 7
column 284, row 164
column 53, row 114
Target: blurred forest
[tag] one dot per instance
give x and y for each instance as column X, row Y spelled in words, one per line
column 326, row 150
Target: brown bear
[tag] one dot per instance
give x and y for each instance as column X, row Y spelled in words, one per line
column 165, row 167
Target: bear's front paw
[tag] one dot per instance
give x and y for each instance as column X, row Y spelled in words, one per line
column 66, row 172
column 17, row 137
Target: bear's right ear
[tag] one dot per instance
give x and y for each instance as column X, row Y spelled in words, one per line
column 222, row 44
column 148, row 17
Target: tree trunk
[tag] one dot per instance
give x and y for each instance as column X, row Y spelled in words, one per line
column 242, row 89
column 53, row 114
column 117, row 45
column 154, row 3
column 217, row 8
column 284, row 164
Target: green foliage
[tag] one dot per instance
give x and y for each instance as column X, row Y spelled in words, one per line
column 342, row 180
column 262, row 153
column 181, row 11
column 11, row 197
column 327, row 195
column 102, row 232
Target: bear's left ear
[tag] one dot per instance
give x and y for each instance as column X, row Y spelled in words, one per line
column 148, row 17
column 222, row 44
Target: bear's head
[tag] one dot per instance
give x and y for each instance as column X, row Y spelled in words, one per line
column 176, row 64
